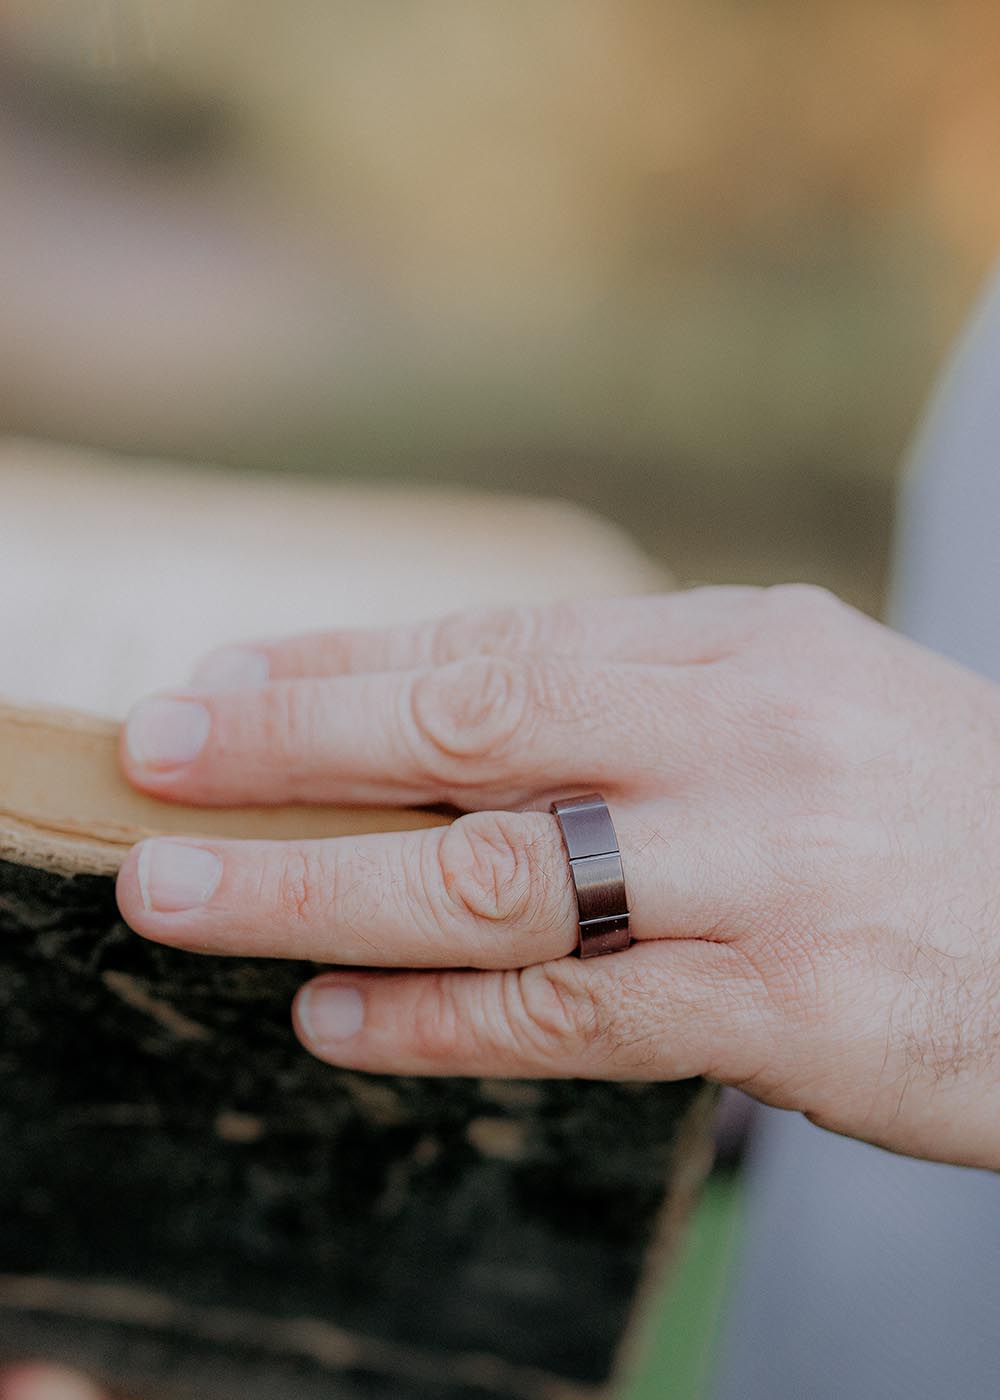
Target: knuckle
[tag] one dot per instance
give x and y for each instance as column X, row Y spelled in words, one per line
column 745, row 597
column 552, row 1008
column 814, row 729
column 776, row 706
column 803, row 605
column 525, row 1018
column 302, row 894
column 491, row 870
column 468, row 713
column 497, row 632
column 290, row 724
column 513, row 631
column 438, row 1029
column 793, row 731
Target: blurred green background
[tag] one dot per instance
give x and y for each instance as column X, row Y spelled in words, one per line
column 690, row 262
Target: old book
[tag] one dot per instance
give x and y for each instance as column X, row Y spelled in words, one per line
column 190, row 1205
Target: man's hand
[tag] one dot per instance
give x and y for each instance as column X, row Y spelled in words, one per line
column 809, row 819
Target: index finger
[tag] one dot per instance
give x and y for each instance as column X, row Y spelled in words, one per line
column 671, row 628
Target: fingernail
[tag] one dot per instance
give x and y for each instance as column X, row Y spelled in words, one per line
column 167, row 733
column 174, row 876
column 331, row 1012
column 231, row 668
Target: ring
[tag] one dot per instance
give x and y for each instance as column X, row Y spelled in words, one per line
column 595, row 863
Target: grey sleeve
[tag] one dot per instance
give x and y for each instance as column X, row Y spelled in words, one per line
column 946, row 585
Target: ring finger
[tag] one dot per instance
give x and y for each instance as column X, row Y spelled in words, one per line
column 492, row 890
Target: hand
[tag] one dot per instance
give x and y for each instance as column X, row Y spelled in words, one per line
column 808, row 812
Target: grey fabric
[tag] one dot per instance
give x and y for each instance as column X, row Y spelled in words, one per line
column 866, row 1276
column 946, row 589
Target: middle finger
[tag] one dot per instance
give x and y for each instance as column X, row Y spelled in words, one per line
column 492, row 731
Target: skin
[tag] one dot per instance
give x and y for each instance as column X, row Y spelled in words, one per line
column 807, row 810
column 807, row 806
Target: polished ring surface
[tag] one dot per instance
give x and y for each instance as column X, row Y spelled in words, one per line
column 598, row 878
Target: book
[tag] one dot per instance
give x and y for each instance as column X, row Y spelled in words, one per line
column 190, row 1204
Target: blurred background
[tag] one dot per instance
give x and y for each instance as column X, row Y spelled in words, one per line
column 692, row 263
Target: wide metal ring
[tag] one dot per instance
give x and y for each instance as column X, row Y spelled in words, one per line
column 598, row 877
